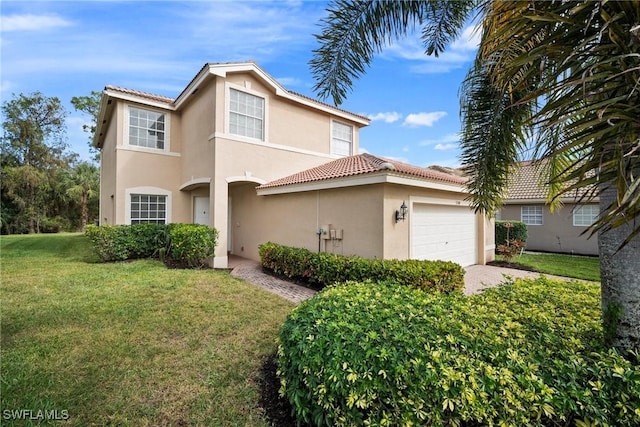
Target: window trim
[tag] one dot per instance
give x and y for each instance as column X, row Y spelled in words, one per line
column 167, row 129
column 351, row 146
column 529, row 215
column 151, row 191
column 577, row 208
column 227, row 110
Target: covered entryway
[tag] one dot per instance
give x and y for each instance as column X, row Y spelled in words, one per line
column 444, row 232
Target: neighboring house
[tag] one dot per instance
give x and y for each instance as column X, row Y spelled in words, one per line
column 560, row 231
column 217, row 155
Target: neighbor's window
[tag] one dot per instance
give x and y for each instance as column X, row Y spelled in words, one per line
column 246, row 114
column 148, row 208
column 585, row 215
column 146, row 128
column 342, row 139
column 531, row 215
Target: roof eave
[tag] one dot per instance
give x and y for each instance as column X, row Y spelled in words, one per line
column 382, row 177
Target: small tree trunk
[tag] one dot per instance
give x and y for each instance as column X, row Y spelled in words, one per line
column 85, row 212
column 620, row 282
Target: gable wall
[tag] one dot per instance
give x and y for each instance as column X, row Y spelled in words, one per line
column 557, row 234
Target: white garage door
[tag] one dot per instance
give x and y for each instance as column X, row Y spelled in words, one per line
column 444, row 232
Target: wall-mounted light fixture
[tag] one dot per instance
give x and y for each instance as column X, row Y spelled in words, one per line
column 402, row 213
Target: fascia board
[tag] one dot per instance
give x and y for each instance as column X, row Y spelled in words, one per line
column 352, row 181
column 221, row 70
column 544, row 201
column 139, row 100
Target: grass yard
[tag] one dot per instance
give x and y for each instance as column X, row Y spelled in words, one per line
column 579, row 267
column 129, row 343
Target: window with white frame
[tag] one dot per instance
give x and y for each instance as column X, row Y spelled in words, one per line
column 148, row 208
column 147, row 128
column 341, row 139
column 246, row 114
column 531, row 215
column 585, row 215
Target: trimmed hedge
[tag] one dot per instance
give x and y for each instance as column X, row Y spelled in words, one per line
column 526, row 354
column 517, row 231
column 326, row 269
column 186, row 244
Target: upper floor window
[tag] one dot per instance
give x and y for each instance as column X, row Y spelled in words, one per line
column 585, row 215
column 246, row 114
column 531, row 215
column 341, row 139
column 148, row 208
column 146, row 128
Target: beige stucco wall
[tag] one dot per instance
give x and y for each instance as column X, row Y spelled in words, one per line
column 293, row 219
column 557, row 234
column 108, row 187
column 365, row 214
column 398, row 247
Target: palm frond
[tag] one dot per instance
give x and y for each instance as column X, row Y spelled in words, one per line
column 354, row 31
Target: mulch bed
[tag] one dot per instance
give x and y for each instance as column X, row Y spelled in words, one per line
column 277, row 409
column 513, row 265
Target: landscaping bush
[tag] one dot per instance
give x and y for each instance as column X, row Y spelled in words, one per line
column 326, row 269
column 529, row 353
column 517, row 231
column 187, row 245
column 192, row 244
column 110, row 242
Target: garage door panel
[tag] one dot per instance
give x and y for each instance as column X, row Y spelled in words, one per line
column 444, row 232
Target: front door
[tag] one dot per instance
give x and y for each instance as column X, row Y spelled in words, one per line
column 201, row 210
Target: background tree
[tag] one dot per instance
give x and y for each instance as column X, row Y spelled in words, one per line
column 33, row 150
column 82, row 184
column 561, row 76
column 91, row 106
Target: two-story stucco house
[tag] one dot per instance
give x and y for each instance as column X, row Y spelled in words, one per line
column 237, row 151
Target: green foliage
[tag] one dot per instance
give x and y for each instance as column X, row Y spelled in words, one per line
column 518, row 231
column 185, row 244
column 110, row 242
column 192, row 244
column 326, row 269
column 527, row 353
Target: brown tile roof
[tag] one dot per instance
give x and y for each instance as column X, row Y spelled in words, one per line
column 528, row 183
column 150, row 96
column 360, row 165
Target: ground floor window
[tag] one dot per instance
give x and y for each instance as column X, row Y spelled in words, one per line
column 585, row 215
column 148, row 208
column 531, row 215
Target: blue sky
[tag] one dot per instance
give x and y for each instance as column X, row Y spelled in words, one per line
column 67, row 49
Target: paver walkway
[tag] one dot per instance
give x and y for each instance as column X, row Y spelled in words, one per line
column 476, row 278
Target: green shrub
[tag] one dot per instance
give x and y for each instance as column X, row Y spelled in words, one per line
column 530, row 353
column 326, row 269
column 110, row 242
column 517, row 231
column 192, row 244
column 186, row 244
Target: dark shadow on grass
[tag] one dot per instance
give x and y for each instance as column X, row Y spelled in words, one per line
column 277, row 410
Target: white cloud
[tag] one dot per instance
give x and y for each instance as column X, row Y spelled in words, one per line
column 362, row 150
column 290, row 81
column 457, row 55
column 30, row 22
column 423, row 119
column 469, row 39
column 445, row 147
column 388, row 117
column 447, row 139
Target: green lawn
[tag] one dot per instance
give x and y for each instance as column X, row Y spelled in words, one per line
column 130, row 343
column 579, row 267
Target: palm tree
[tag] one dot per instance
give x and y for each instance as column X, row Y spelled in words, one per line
column 82, row 184
column 561, row 78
